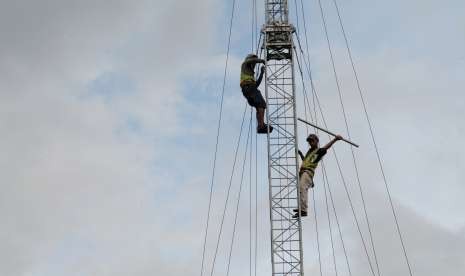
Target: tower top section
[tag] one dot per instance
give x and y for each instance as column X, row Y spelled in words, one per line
column 277, row 12
column 277, row 30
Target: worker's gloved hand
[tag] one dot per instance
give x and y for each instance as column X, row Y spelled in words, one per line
column 338, row 137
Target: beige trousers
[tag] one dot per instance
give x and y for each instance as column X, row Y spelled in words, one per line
column 305, row 182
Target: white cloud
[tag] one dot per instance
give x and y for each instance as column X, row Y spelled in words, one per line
column 116, row 183
column 77, row 185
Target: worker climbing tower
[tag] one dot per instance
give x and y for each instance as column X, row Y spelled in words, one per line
column 286, row 232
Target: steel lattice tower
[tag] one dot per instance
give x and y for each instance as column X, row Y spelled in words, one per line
column 286, row 232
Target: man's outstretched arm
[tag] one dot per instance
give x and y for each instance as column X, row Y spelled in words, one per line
column 337, row 138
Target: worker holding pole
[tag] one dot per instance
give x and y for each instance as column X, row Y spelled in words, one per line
column 309, row 164
column 307, row 169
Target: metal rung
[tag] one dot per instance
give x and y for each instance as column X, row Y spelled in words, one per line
column 286, row 229
column 285, row 99
column 283, row 186
column 281, row 242
column 286, row 144
column 286, row 117
column 277, row 138
column 290, row 273
column 290, row 220
column 291, row 240
column 281, row 124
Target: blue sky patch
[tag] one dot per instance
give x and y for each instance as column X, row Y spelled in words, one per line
column 111, row 85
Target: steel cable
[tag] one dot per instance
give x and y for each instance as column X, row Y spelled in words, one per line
column 239, row 195
column 372, row 136
column 338, row 164
column 227, row 194
column 217, row 139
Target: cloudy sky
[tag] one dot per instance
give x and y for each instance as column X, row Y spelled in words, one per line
column 108, row 113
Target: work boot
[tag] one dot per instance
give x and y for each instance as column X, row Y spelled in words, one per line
column 264, row 129
column 302, row 214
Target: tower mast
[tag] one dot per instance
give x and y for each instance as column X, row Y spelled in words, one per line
column 286, row 232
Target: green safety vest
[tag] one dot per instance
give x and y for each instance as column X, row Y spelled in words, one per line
column 309, row 163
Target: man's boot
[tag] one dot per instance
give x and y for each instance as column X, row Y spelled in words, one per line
column 264, row 129
column 302, row 214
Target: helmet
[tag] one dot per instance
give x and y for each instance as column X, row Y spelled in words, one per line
column 312, row 136
column 251, row 56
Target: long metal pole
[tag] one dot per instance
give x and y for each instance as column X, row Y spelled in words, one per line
column 327, row 131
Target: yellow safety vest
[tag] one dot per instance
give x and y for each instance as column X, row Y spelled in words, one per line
column 309, row 163
column 246, row 78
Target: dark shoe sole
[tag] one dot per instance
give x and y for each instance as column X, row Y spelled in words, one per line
column 301, row 214
column 264, row 130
